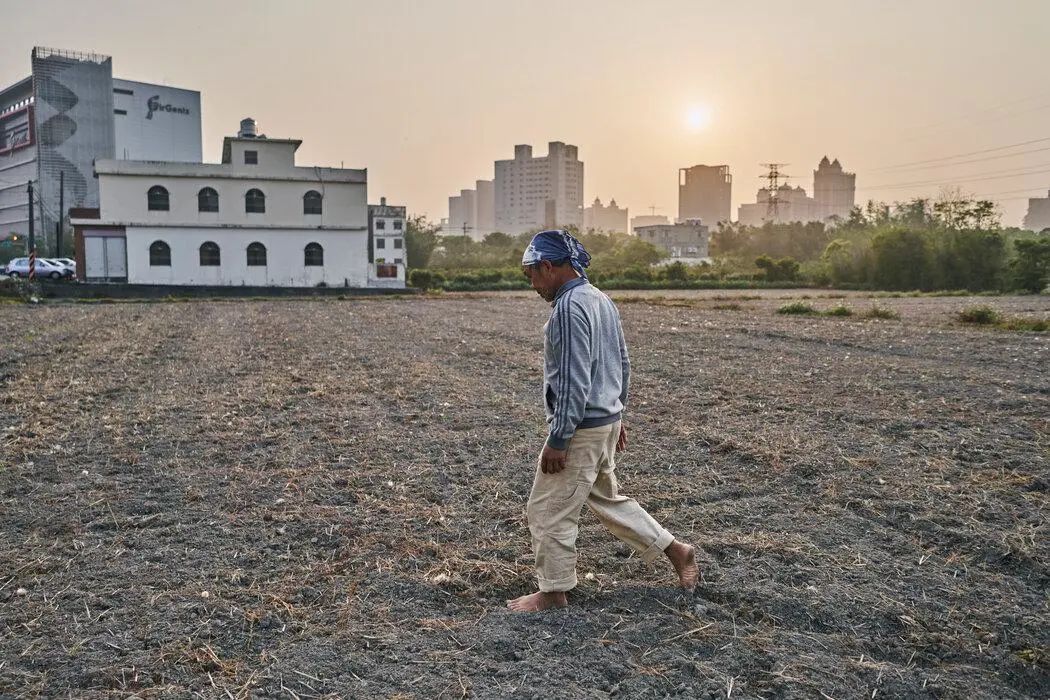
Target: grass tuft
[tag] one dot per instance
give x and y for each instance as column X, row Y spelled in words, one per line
column 981, row 315
column 797, row 308
column 881, row 312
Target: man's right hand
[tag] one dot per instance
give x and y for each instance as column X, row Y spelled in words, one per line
column 621, row 442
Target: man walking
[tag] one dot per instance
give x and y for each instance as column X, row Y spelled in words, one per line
column 586, row 374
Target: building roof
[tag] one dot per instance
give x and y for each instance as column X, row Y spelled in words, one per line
column 8, row 93
column 147, row 168
column 101, row 223
column 228, row 141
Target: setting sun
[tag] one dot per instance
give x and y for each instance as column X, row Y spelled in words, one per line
column 698, row 117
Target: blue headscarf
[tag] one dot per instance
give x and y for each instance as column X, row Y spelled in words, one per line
column 557, row 246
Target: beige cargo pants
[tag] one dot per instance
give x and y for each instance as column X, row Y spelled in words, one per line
column 557, row 500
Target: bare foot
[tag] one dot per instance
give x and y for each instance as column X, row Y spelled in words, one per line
column 538, row 601
column 683, row 558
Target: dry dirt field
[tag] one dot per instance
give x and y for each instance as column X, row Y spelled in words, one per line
column 325, row 498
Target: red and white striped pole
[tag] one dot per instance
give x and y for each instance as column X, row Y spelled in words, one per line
column 32, row 238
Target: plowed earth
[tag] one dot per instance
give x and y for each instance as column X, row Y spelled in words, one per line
column 325, row 498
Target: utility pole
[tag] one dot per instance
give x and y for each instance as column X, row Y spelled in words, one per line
column 61, row 212
column 32, row 236
column 773, row 178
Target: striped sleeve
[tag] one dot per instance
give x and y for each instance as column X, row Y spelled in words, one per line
column 570, row 337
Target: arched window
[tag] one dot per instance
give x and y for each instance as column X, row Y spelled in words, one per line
column 312, row 202
column 256, row 254
column 159, row 254
column 255, row 202
column 314, row 255
column 157, row 198
column 209, row 254
column 207, row 200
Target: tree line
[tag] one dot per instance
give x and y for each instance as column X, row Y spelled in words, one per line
column 951, row 243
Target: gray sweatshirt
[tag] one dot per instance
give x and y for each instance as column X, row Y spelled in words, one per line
column 585, row 365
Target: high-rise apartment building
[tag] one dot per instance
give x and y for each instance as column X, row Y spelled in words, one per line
column 484, row 207
column 539, row 192
column 1038, row 216
column 462, row 213
column 472, row 212
column 705, row 192
column 834, row 190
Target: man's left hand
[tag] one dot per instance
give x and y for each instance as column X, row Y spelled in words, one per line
column 552, row 461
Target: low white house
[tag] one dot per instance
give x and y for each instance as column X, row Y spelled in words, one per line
column 254, row 219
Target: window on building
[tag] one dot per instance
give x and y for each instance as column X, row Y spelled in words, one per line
column 386, row 271
column 256, row 255
column 157, row 198
column 209, row 254
column 312, row 202
column 313, row 255
column 380, row 224
column 255, row 202
column 398, row 261
column 380, row 243
column 251, row 157
column 397, row 225
column 397, row 242
column 159, row 254
column 207, row 200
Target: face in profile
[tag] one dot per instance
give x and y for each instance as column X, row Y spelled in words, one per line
column 541, row 277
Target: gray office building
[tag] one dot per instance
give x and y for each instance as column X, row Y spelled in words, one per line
column 69, row 112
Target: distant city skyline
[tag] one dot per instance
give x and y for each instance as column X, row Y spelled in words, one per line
column 427, row 104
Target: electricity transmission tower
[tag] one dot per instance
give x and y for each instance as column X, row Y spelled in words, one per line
column 773, row 178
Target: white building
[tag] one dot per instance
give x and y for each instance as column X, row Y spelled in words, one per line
column 685, row 242
column 609, row 218
column 255, row 219
column 834, row 190
column 388, row 256
column 539, row 193
column 156, row 122
column 792, row 205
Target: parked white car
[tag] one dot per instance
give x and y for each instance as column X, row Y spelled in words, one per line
column 65, row 263
column 19, row 267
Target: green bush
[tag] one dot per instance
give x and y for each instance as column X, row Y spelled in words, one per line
column 840, row 310
column 782, row 270
column 1030, row 268
column 981, row 315
column 425, row 279
column 799, row 308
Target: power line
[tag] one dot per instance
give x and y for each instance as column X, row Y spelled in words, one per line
column 994, row 175
column 959, row 155
column 977, row 160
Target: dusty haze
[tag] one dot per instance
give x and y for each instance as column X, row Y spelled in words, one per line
column 427, row 94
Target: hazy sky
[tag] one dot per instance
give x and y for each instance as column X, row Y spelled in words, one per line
column 427, row 95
